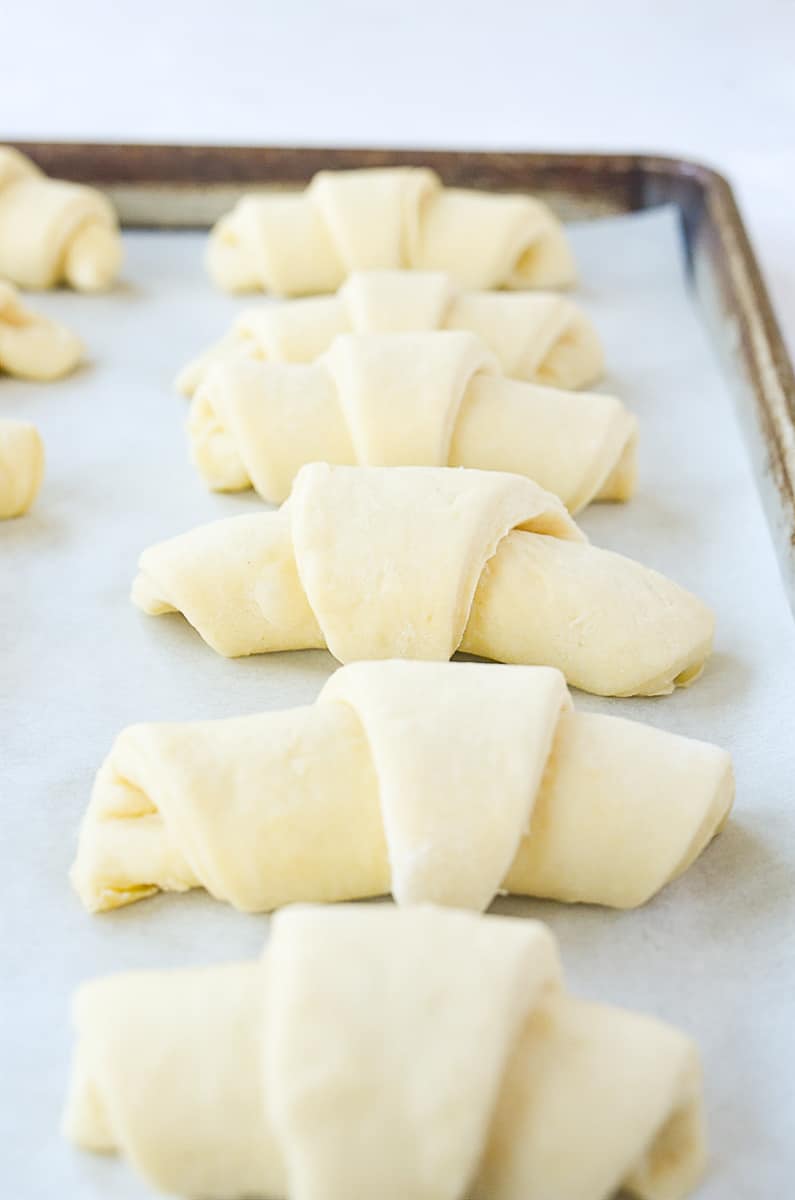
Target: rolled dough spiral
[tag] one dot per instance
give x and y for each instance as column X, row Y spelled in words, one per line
column 54, row 232
column 386, row 218
column 540, row 337
column 407, row 399
column 33, row 346
column 21, row 467
column 403, row 1054
column 418, row 562
column 439, row 782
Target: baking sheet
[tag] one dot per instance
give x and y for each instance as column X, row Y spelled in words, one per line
column 713, row 954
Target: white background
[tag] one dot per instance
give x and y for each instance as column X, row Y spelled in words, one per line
column 713, row 79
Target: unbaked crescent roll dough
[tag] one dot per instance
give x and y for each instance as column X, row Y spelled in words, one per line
column 542, row 338
column 21, row 467
column 54, row 232
column 398, row 1054
column 33, row 346
column 439, row 782
column 406, row 399
column 418, row 562
column 297, row 243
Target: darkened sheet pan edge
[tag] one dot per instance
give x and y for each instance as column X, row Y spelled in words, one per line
column 156, row 185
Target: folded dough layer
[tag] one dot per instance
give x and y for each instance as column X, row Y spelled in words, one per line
column 415, row 1054
column 21, row 467
column 541, row 338
column 406, row 399
column 388, row 218
column 418, row 562
column 54, row 232
column 33, row 346
column 439, row 782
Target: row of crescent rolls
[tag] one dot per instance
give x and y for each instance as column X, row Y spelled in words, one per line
column 51, row 232
column 405, row 368
column 426, row 824
column 33, row 347
column 406, row 399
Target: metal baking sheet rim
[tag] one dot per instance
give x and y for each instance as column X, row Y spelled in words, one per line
column 189, row 186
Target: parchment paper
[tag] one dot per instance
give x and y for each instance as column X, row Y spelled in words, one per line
column 713, row 954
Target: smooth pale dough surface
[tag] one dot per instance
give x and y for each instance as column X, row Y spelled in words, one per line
column 539, row 337
column 418, row 562
column 439, row 782
column 404, row 1054
column 296, row 243
column 54, row 232
column 406, row 399
column 21, row 467
column 33, row 346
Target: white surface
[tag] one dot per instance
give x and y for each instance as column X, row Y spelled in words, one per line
column 712, row 79
column 712, row 953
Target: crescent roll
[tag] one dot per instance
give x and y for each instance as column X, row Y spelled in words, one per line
column 403, row 1054
column 33, row 346
column 297, row 243
column 406, row 399
column 21, row 467
column 54, row 232
column 440, row 782
column 418, row 562
column 540, row 337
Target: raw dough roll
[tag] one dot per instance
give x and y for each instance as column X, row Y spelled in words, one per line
column 394, row 217
column 21, row 467
column 406, row 399
column 52, row 231
column 439, row 782
column 542, row 338
column 33, row 346
column 398, row 1054
column 418, row 562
